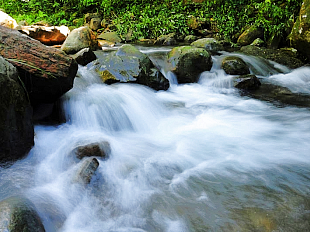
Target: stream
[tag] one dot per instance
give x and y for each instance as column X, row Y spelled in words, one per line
column 197, row 157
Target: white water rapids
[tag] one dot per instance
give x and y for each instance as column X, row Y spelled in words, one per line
column 198, row 157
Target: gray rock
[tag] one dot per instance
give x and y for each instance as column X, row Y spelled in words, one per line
column 84, row 56
column 86, row 170
column 18, row 214
column 16, row 128
column 110, row 36
column 190, row 38
column 234, row 65
column 209, row 44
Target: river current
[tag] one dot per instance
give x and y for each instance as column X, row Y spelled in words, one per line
column 197, row 157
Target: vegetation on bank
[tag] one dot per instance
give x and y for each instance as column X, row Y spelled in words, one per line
column 152, row 18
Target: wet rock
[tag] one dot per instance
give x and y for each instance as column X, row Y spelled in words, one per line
column 299, row 37
column 128, row 64
column 84, row 56
column 16, row 128
column 234, row 65
column 47, row 73
column 249, row 35
column 18, row 214
column 86, row 170
column 78, row 39
column 209, row 44
column 49, row 113
column 279, row 56
column 7, row 21
column 46, row 35
column 279, row 95
column 246, row 82
column 188, row 62
column 110, row 36
column 274, row 41
column 102, row 150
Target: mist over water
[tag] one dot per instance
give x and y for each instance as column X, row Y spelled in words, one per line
column 198, row 157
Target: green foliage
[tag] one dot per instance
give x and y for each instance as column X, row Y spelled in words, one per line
column 151, row 18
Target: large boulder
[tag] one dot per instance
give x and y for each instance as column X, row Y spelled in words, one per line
column 17, row 214
column 128, row 64
column 7, row 21
column 16, row 128
column 300, row 35
column 209, row 44
column 234, row 65
column 46, row 35
column 188, row 62
column 78, row 39
column 280, row 56
column 249, row 35
column 46, row 72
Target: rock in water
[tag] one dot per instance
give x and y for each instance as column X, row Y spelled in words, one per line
column 47, row 72
column 299, row 37
column 86, row 170
column 234, row 65
column 16, row 128
column 188, row 62
column 209, row 44
column 102, row 150
column 18, row 214
column 246, row 82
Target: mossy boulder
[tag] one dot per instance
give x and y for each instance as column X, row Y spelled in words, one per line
column 110, row 36
column 78, row 39
column 16, row 128
column 246, row 82
column 280, row 56
column 18, row 214
column 169, row 39
column 234, row 65
column 209, row 44
column 249, row 35
column 128, row 64
column 188, row 62
column 300, row 35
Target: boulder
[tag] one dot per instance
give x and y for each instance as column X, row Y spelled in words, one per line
column 190, row 38
column 249, row 35
column 300, row 34
column 78, row 39
column 46, row 35
column 102, row 150
column 169, row 39
column 209, row 44
column 128, row 64
column 110, row 36
column 16, row 128
column 234, row 65
column 46, row 72
column 188, row 62
column 7, row 21
column 84, row 56
column 280, row 56
column 86, row 170
column 18, row 214
column 246, row 82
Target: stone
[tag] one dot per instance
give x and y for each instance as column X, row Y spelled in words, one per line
column 110, row 36
column 46, row 35
column 299, row 37
column 84, row 56
column 95, row 24
column 100, row 149
column 246, row 82
column 249, row 35
column 188, row 62
column 86, row 170
column 190, row 38
column 89, row 16
column 18, row 214
column 278, row 55
column 166, row 39
column 234, row 65
column 47, row 73
column 209, row 44
column 258, row 42
column 16, row 127
column 7, row 21
column 80, row 38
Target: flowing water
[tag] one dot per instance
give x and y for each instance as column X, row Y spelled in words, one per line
column 198, row 157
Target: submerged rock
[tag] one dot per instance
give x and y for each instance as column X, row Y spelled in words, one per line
column 46, row 72
column 246, row 82
column 86, row 170
column 188, row 62
column 18, row 214
column 78, row 39
column 102, row 150
column 234, row 65
column 16, row 127
column 128, row 64
column 279, row 56
column 209, row 44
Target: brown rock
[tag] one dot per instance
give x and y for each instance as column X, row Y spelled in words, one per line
column 46, row 72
